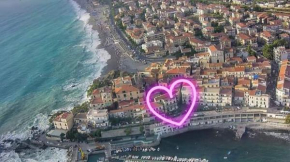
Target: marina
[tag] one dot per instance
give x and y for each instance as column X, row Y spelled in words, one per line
column 132, row 158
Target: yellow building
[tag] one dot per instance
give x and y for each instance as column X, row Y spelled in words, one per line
column 64, row 121
column 127, row 92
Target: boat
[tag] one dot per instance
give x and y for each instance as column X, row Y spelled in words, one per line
column 225, row 157
column 177, row 147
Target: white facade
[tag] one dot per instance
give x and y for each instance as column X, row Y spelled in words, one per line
column 98, row 118
column 280, row 54
column 259, row 100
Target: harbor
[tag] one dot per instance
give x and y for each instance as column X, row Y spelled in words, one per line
column 217, row 145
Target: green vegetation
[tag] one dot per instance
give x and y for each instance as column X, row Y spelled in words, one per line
column 198, row 33
column 192, row 53
column 54, row 116
column 177, row 54
column 128, row 131
column 141, row 129
column 287, row 120
column 115, row 121
column 268, row 48
column 97, row 133
column 217, row 27
column 250, row 51
column 62, row 135
column 84, row 107
column 106, row 80
column 74, row 136
column 258, row 8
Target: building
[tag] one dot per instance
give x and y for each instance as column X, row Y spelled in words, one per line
column 64, row 121
column 209, row 97
column 280, row 54
column 98, row 118
column 257, row 99
column 169, row 104
column 127, row 92
column 102, row 98
column 283, row 85
column 118, row 82
column 151, row 36
column 129, row 111
column 216, row 55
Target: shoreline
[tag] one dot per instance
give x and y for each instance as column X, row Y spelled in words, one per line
column 100, row 23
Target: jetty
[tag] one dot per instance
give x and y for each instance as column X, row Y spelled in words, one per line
column 241, row 129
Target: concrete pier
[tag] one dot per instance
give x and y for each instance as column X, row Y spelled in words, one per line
column 241, row 129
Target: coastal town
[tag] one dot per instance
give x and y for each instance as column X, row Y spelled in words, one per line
column 235, row 52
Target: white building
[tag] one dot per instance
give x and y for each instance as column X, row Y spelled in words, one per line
column 98, row 118
column 216, row 55
column 154, row 43
column 280, row 54
column 283, row 85
column 257, row 99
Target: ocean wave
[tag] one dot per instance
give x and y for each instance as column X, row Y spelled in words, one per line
column 35, row 156
column 41, row 121
column 283, row 136
column 96, row 62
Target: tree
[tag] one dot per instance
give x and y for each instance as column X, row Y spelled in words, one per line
column 62, row 135
column 268, row 51
column 81, row 108
column 128, row 131
column 97, row 133
column 71, row 135
column 218, row 29
column 268, row 48
column 141, row 129
column 250, row 51
column 198, row 33
column 177, row 54
column 258, row 8
column 287, row 120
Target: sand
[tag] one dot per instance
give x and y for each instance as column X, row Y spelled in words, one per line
column 100, row 21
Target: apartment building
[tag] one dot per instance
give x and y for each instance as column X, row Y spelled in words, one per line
column 64, row 121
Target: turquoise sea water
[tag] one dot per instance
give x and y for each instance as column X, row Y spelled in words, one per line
column 46, row 47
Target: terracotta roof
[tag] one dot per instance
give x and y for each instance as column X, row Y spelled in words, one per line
column 213, row 48
column 62, row 116
column 129, row 108
column 239, row 93
column 227, row 91
column 177, row 71
column 126, row 88
column 97, row 100
column 242, row 25
column 251, row 58
column 266, row 34
column 243, row 36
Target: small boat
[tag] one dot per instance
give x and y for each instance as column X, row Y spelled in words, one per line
column 177, row 147
column 225, row 157
column 229, row 152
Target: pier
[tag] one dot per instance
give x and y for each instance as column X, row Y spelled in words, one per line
column 240, row 131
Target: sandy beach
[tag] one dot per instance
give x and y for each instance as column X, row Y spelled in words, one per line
column 100, row 21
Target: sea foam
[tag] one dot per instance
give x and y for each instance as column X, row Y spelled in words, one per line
column 98, row 60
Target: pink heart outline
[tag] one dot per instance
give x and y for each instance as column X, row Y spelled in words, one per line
column 169, row 91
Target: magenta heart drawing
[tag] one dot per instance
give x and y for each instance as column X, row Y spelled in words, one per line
column 169, row 90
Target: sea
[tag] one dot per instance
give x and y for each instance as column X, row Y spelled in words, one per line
column 221, row 145
column 48, row 58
